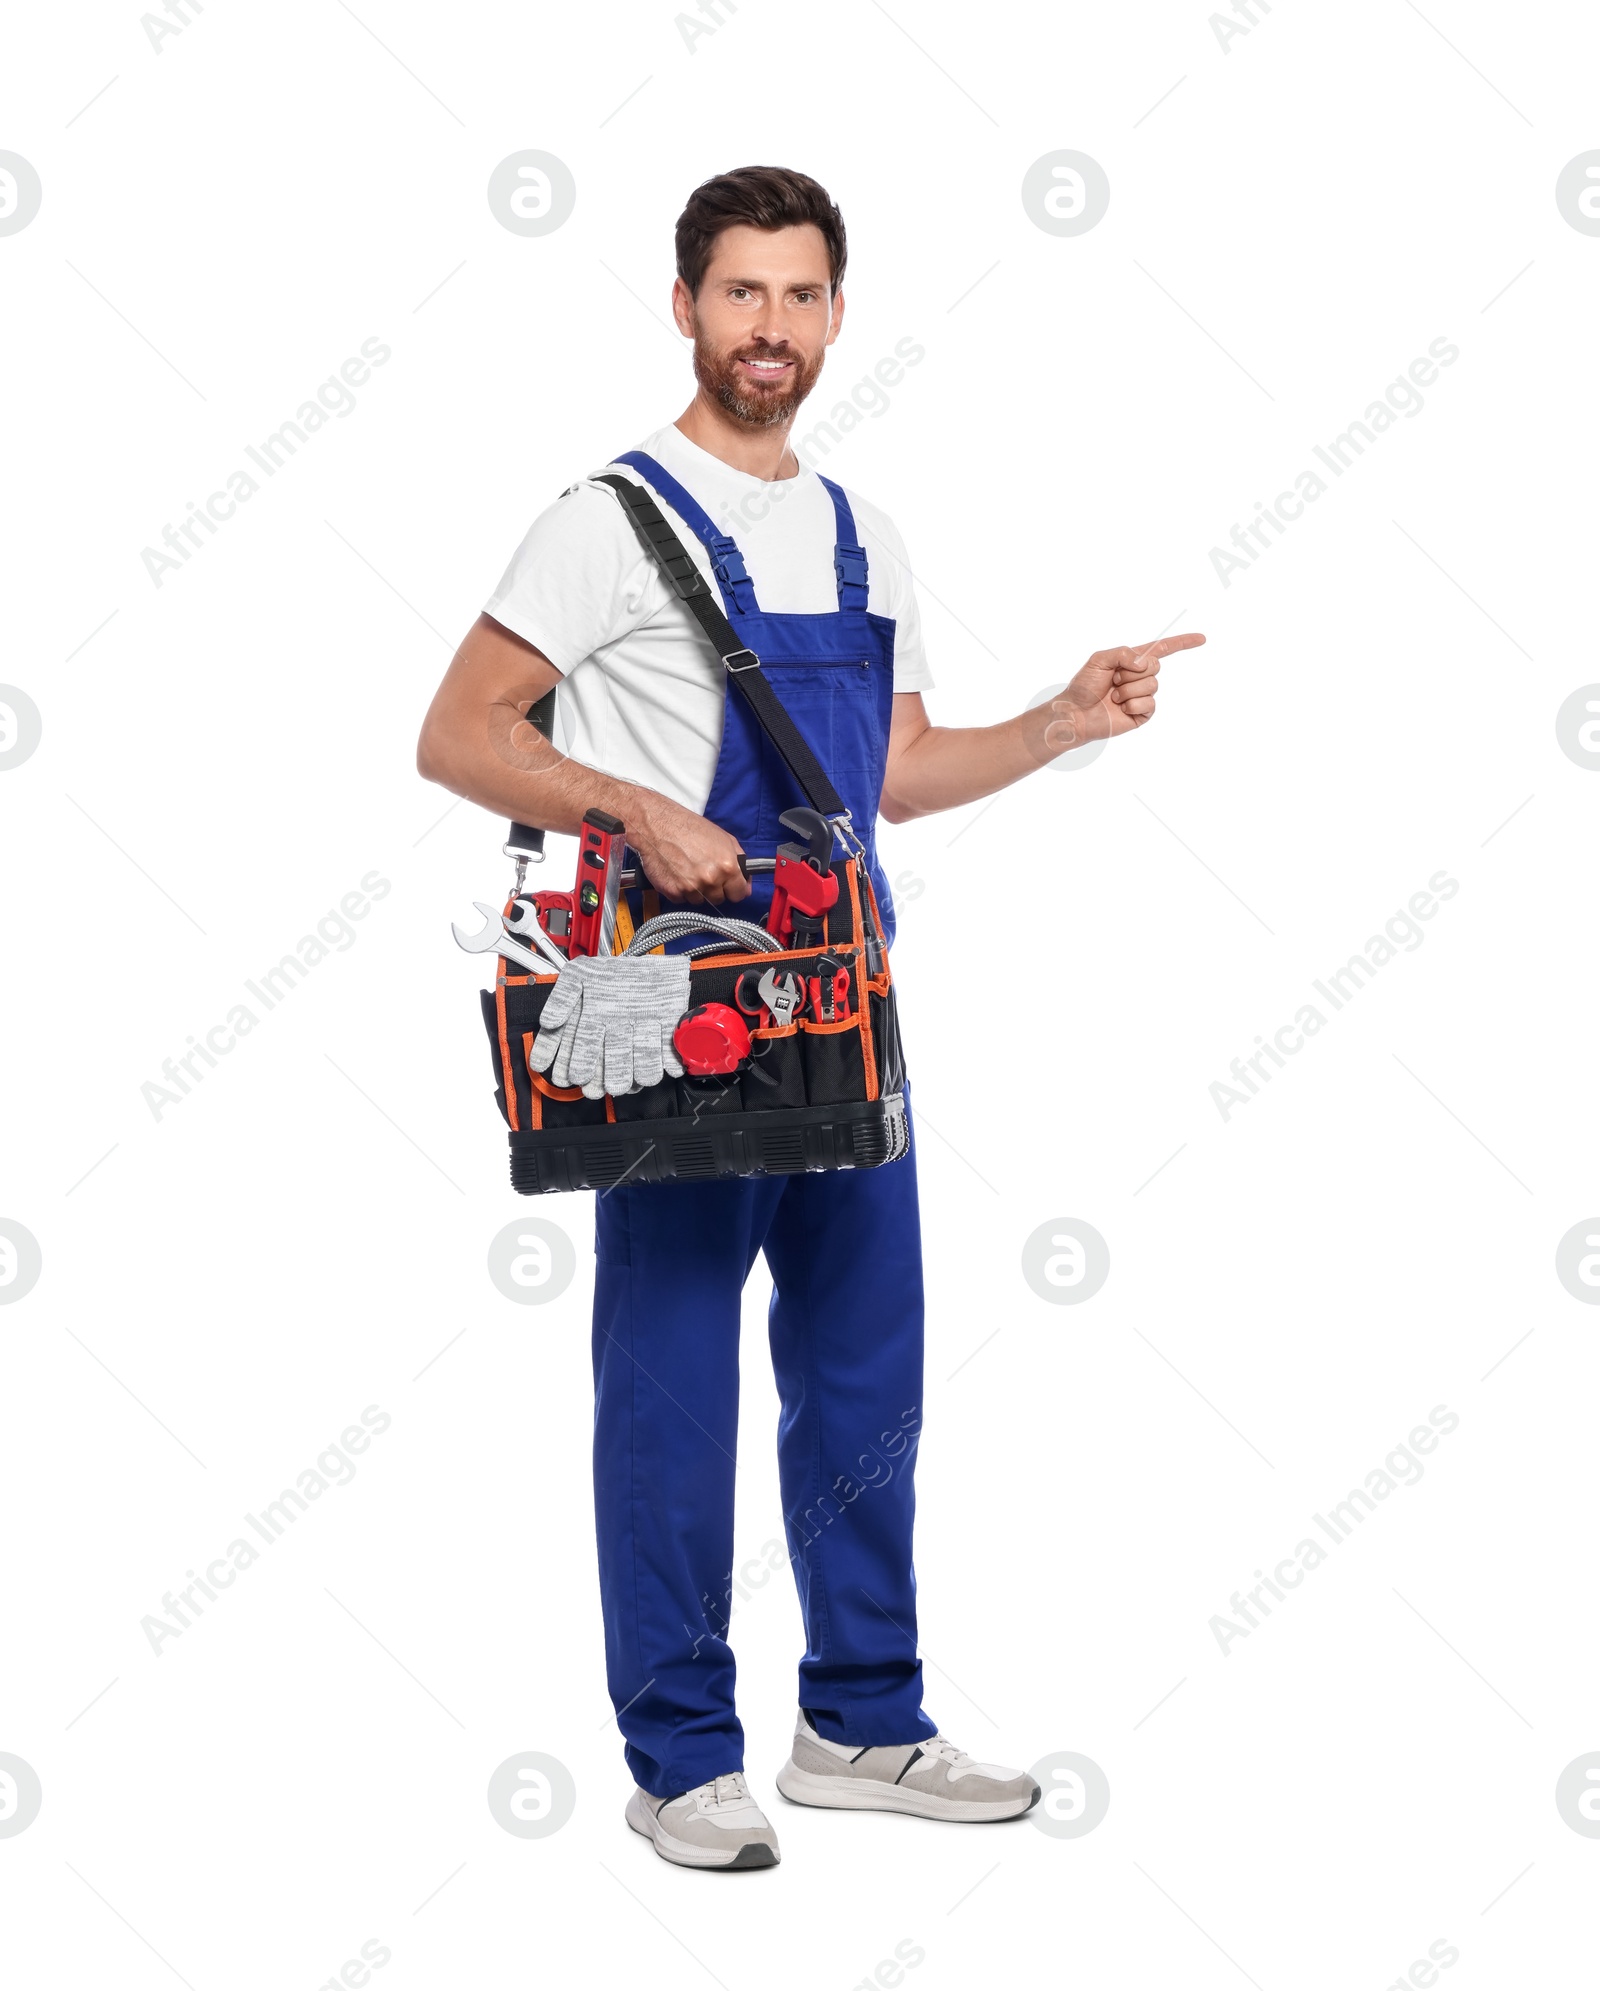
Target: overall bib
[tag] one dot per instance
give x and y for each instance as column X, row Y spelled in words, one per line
column 845, row 1323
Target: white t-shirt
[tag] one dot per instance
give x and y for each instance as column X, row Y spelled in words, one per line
column 641, row 694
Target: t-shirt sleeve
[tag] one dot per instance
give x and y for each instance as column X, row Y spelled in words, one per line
column 579, row 580
column 911, row 669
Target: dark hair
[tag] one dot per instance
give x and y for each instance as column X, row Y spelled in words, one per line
column 755, row 197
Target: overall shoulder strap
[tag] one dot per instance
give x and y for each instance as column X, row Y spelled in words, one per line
column 727, row 562
column 849, row 555
column 742, row 666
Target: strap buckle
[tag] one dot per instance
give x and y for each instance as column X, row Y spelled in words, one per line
column 731, row 661
column 850, row 566
column 727, row 564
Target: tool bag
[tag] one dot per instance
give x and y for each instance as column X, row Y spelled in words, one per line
column 815, row 1094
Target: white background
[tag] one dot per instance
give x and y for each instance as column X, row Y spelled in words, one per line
column 304, row 1770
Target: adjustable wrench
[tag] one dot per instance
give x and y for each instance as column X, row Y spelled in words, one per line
column 782, row 994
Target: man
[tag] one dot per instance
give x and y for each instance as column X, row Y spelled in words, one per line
column 647, row 732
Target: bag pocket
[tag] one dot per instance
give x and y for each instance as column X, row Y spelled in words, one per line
column 512, row 1014
column 699, row 1098
column 557, row 1106
column 775, row 1076
column 835, row 1065
column 886, row 1046
column 491, row 1023
column 579, row 1112
column 653, row 1102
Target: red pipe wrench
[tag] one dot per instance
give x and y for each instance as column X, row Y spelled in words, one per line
column 803, row 884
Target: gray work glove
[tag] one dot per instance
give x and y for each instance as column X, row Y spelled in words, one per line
column 607, row 1024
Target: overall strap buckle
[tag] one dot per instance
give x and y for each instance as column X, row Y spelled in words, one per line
column 850, row 571
column 727, row 563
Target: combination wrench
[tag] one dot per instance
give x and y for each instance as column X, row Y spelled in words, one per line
column 494, row 939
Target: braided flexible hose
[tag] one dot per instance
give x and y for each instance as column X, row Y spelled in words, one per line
column 673, row 926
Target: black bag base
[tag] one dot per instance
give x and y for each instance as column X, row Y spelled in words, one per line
column 857, row 1134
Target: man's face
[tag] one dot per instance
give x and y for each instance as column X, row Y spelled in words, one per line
column 762, row 320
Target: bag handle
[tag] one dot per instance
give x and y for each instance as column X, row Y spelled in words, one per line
column 743, row 666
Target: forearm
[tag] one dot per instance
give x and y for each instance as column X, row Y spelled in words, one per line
column 476, row 742
column 944, row 767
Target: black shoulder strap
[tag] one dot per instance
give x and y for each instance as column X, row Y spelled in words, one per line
column 743, row 666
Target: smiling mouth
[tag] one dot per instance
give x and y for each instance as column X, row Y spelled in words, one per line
column 767, row 369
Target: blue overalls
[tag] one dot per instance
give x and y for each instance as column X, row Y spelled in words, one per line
column 845, row 1323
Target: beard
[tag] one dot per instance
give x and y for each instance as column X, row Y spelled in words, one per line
column 757, row 407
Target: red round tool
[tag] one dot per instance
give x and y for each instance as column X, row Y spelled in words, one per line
column 710, row 1039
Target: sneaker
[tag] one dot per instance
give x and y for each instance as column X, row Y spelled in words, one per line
column 718, row 1824
column 932, row 1779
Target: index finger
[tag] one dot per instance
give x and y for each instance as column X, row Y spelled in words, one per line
column 1163, row 646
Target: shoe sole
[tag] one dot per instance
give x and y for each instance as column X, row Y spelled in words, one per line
column 698, row 1857
column 864, row 1794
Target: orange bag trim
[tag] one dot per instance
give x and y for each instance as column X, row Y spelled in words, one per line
column 505, row 1056
column 862, row 1017
column 749, row 959
column 877, row 922
column 538, row 1080
column 828, row 1029
column 542, row 1085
